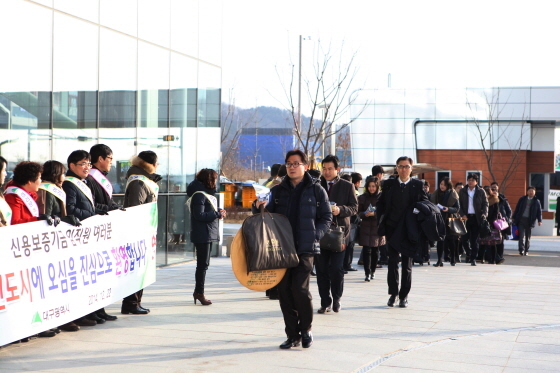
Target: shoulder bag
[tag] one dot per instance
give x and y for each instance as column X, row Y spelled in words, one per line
column 333, row 240
column 500, row 223
column 457, row 226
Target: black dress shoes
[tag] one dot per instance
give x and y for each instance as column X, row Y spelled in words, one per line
column 306, row 339
column 403, row 303
column 84, row 321
column 47, row 334
column 93, row 316
column 336, row 306
column 324, row 309
column 392, row 300
column 351, row 269
column 143, row 308
column 102, row 314
column 135, row 310
column 290, row 342
column 473, row 262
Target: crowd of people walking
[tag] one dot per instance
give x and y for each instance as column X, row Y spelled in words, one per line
column 394, row 220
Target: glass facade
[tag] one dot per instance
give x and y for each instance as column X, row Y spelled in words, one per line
column 131, row 74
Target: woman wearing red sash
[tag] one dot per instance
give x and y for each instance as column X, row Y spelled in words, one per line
column 21, row 196
column 21, row 192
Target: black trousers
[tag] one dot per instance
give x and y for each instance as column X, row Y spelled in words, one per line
column 393, row 269
column 524, row 227
column 330, row 276
column 470, row 240
column 349, row 255
column 295, row 298
column 203, row 251
column 134, row 299
column 447, row 247
column 371, row 258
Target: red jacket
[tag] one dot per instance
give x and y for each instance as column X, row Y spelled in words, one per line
column 20, row 212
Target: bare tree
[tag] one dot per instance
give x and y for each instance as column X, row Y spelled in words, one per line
column 328, row 97
column 494, row 131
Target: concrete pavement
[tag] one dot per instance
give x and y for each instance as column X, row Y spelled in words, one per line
column 488, row 318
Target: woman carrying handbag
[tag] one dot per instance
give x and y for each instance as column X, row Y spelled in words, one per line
column 447, row 199
column 498, row 210
column 369, row 238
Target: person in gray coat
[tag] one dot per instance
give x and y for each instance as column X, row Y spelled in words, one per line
column 141, row 188
column 473, row 207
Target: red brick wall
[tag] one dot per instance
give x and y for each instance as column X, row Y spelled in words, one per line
column 459, row 161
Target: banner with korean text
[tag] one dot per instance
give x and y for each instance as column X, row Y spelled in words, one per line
column 53, row 275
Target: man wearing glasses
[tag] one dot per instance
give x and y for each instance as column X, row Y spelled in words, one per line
column 397, row 200
column 80, row 203
column 79, row 199
column 302, row 200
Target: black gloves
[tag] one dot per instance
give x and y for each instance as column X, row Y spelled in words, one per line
column 56, row 220
column 72, row 220
column 46, row 218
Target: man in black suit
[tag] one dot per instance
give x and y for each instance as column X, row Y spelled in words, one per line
column 397, row 201
column 330, row 265
column 473, row 207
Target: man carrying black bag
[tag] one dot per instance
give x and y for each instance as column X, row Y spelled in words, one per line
column 302, row 200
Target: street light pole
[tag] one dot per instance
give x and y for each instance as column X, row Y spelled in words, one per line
column 299, row 87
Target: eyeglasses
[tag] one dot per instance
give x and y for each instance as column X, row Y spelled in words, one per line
column 401, row 166
column 494, row 190
column 85, row 164
column 294, row 165
column 111, row 158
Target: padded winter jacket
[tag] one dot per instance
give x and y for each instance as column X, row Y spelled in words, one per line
column 314, row 214
column 204, row 218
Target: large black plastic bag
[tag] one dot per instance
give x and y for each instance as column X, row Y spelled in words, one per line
column 269, row 242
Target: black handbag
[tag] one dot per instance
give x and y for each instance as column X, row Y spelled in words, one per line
column 485, row 229
column 457, row 226
column 333, row 240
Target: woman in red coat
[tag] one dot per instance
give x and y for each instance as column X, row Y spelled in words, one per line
column 21, row 196
column 21, row 192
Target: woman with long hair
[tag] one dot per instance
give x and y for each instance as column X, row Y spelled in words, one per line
column 370, row 240
column 205, row 214
column 448, row 200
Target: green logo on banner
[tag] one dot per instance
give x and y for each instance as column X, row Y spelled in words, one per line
column 103, row 180
column 14, row 190
column 36, row 318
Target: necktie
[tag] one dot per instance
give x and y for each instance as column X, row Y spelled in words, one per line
column 403, row 185
column 330, row 187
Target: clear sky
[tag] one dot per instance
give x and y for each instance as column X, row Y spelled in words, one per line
column 421, row 43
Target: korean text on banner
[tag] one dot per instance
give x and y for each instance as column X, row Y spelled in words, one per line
column 53, row 275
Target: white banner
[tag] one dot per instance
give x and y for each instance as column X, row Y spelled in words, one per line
column 50, row 276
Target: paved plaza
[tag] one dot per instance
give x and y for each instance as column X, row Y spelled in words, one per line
column 488, row 318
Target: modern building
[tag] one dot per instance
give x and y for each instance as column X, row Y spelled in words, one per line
column 260, row 148
column 509, row 135
column 132, row 74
